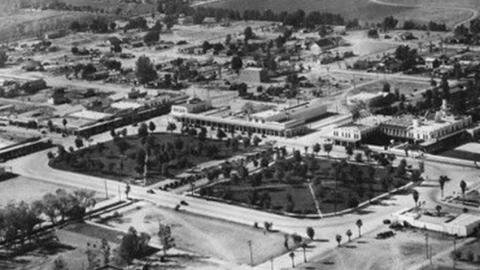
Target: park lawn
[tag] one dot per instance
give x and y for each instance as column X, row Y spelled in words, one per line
column 111, row 158
column 304, row 202
column 405, row 87
column 323, row 184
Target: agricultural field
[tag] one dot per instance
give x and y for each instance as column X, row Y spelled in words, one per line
column 293, row 185
column 361, row 9
column 27, row 23
column 124, row 157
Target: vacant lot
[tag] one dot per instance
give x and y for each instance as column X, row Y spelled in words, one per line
column 404, row 251
column 26, row 189
column 205, row 236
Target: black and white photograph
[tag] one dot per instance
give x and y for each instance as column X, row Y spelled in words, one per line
column 239, row 134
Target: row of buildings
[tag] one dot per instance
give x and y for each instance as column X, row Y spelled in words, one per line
column 250, row 116
column 430, row 132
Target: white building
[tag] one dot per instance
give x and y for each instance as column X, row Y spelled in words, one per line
column 365, row 97
column 288, row 121
column 462, row 225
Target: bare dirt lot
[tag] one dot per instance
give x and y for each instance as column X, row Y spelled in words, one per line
column 208, row 237
column 403, row 251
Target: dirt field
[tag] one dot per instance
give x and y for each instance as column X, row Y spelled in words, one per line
column 404, row 251
column 208, row 237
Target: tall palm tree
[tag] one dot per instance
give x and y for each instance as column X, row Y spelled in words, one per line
column 442, row 181
column 304, row 247
column 359, row 224
column 338, row 238
column 292, row 256
column 349, row 235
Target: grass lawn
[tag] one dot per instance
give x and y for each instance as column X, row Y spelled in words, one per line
column 168, row 155
column 461, row 155
column 356, row 183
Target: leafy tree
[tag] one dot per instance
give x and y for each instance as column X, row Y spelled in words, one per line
column 145, row 71
column 463, row 187
column 143, row 130
column 151, row 37
column 256, row 140
column 166, row 239
column 310, row 232
column 372, row 33
column 439, row 209
column 328, row 148
column 236, row 63
column 171, row 127
column 316, row 148
column 152, row 126
column 248, row 33
column 386, row 87
column 170, row 21
column 389, row 23
column 132, row 245
column 349, row 150
column 78, row 142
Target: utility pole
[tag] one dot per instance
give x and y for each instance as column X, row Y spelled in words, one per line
column 426, row 241
column 106, row 188
column 251, row 253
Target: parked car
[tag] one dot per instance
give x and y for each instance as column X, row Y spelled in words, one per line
column 385, row 235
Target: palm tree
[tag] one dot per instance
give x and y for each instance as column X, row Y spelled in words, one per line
column 292, row 256
column 359, row 224
column 463, row 186
column 439, row 209
column 349, row 234
column 415, row 196
column 338, row 238
column 304, row 247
